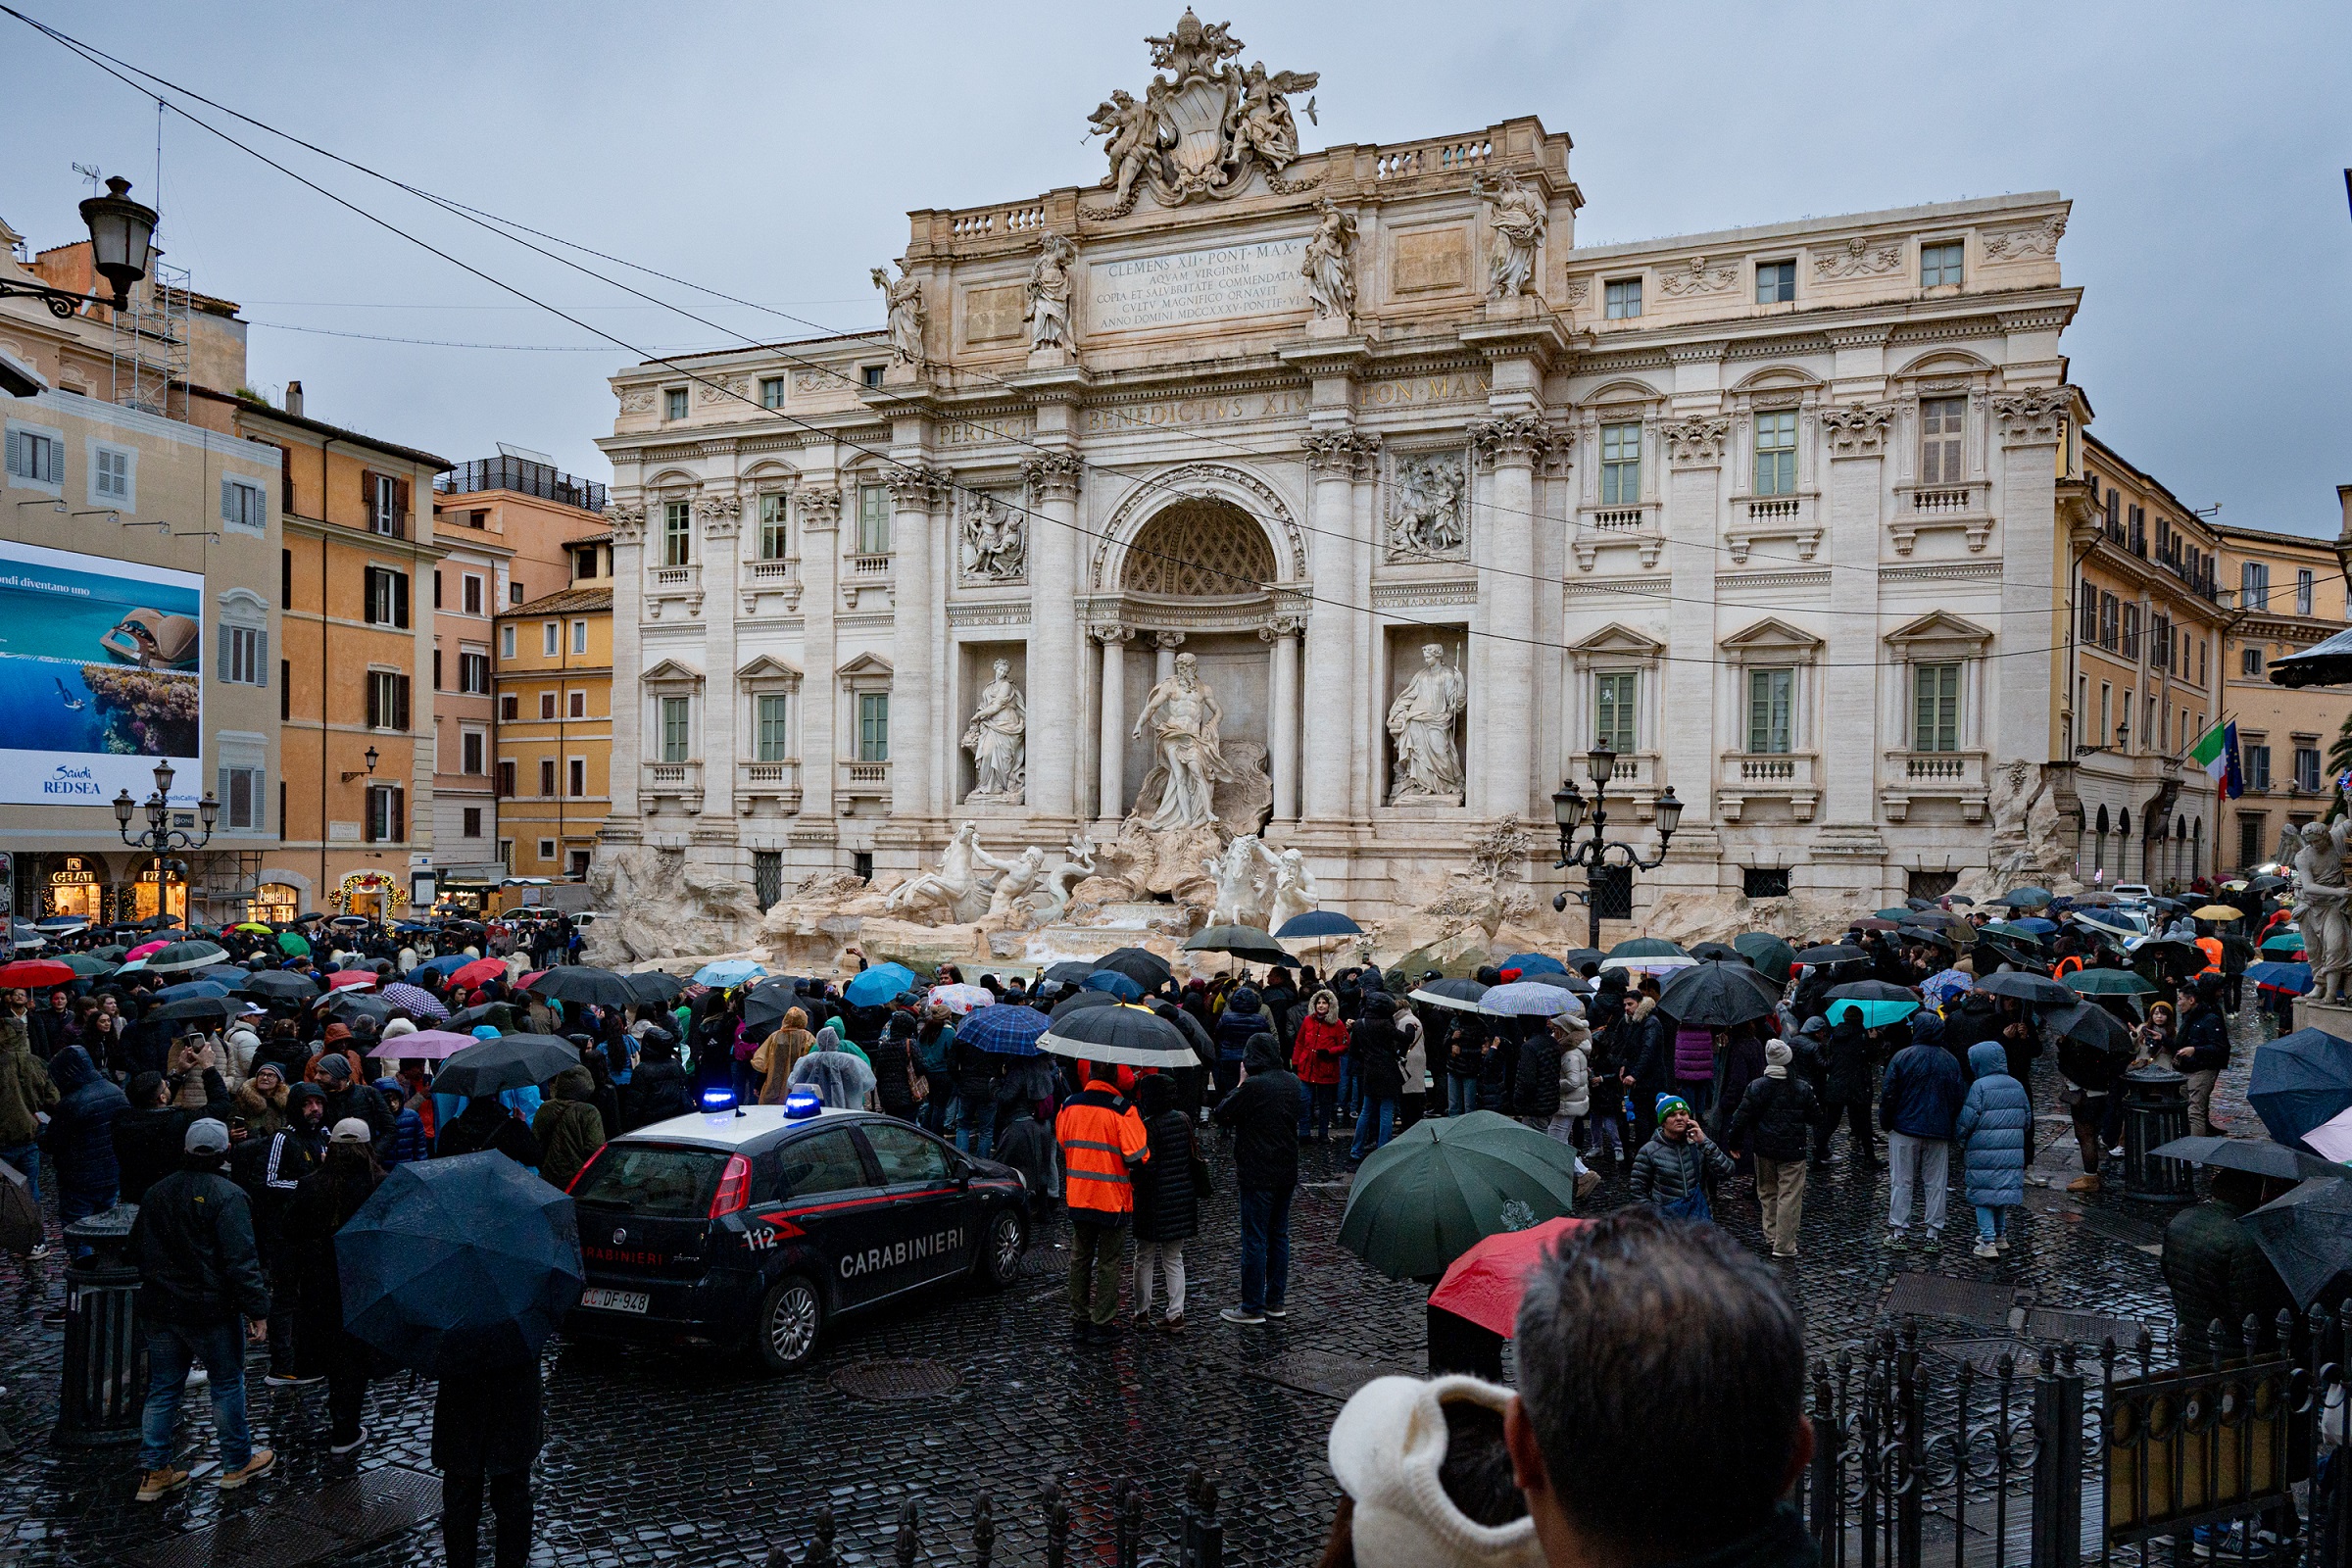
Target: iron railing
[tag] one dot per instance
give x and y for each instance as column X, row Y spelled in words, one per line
column 524, row 478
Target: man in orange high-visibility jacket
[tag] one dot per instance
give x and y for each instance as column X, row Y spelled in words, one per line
column 1101, row 1141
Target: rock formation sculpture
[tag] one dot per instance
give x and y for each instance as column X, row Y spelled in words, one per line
column 955, row 892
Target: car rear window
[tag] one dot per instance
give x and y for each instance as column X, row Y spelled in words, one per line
column 651, row 1181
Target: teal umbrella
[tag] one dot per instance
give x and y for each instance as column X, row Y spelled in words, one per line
column 1772, row 956
column 1874, row 1015
column 1421, row 1203
column 2108, row 983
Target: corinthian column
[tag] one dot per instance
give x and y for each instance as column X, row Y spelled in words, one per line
column 628, row 662
column 1054, row 697
column 1282, row 728
column 1112, row 758
column 1326, row 764
column 914, row 492
column 1499, row 747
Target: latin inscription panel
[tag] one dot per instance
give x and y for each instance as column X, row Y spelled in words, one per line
column 1183, row 287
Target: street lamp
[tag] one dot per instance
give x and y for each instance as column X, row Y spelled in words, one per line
column 121, row 249
column 159, row 836
column 370, row 758
column 1570, row 809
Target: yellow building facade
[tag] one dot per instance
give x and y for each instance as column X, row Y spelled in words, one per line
column 554, row 681
column 2289, row 594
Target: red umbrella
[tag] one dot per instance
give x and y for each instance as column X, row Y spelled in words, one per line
column 479, row 970
column 524, row 984
column 33, row 973
column 1484, row 1284
column 352, row 977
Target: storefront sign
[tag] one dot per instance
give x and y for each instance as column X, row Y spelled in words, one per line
column 101, row 677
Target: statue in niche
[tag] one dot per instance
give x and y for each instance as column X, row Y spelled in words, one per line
column 955, row 890
column 1517, row 215
column 1047, row 312
column 905, row 301
column 1329, row 265
column 994, row 738
column 1183, row 715
column 996, row 541
column 1428, row 503
column 1429, row 769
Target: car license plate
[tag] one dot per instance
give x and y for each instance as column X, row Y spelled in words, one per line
column 616, row 1301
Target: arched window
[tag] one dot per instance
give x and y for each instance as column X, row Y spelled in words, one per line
column 2098, row 844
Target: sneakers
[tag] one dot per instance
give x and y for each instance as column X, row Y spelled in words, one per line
column 158, row 1484
column 1173, row 1325
column 1895, row 1242
column 2215, row 1540
column 279, row 1381
column 1278, row 1312
column 1242, row 1315
column 2089, row 1183
column 1932, row 1240
column 346, row 1447
column 252, row 1469
column 1987, row 1250
column 2001, row 1243
column 1586, row 1183
column 1781, row 1252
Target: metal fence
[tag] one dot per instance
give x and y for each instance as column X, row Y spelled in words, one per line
column 1933, row 1452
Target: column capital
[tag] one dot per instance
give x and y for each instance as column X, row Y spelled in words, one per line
column 2033, row 418
column 818, row 508
column 1110, row 635
column 1053, row 475
column 627, row 518
column 1515, row 438
column 1167, row 639
column 1857, row 429
column 917, row 486
column 1280, row 627
column 1698, row 442
column 1342, row 454
column 720, row 515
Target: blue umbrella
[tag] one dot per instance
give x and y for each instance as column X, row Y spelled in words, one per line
column 2036, row 924
column 1317, row 923
column 459, row 1266
column 445, row 966
column 878, row 985
column 2293, row 978
column 2300, row 1081
column 1528, row 963
column 191, row 988
column 1875, row 1014
column 1003, row 1030
column 728, row 972
column 1112, row 982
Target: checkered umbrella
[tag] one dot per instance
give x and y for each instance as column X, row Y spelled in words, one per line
column 419, row 1001
column 1003, row 1030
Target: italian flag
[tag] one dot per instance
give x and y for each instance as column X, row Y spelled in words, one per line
column 2216, row 752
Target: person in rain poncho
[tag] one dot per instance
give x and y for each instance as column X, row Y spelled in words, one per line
column 843, row 1080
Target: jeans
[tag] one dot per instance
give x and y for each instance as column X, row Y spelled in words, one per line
column 1991, row 1222
column 1168, row 1259
column 26, row 1157
column 1094, row 1256
column 1608, row 1136
column 1322, row 1101
column 170, row 1352
column 75, row 1201
column 461, row 1518
column 1928, row 1160
column 1351, row 1085
column 1461, row 1096
column 1379, row 1112
column 976, row 1132
column 1266, row 1213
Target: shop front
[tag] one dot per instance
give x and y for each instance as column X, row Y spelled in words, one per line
column 376, row 894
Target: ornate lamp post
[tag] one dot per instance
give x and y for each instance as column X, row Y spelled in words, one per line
column 121, row 245
column 159, row 836
column 1570, row 808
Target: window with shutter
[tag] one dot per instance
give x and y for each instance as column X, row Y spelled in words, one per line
column 547, row 776
column 375, row 700
column 400, row 598
column 399, row 695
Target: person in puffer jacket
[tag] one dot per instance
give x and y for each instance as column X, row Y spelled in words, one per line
column 1991, row 1135
column 567, row 1124
column 1243, row 1017
column 79, row 1139
column 1672, row 1170
column 408, row 1139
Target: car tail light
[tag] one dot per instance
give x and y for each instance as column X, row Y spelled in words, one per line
column 585, row 1168
column 734, row 1188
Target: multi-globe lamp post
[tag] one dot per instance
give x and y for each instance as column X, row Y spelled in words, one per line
column 159, row 837
column 1570, row 808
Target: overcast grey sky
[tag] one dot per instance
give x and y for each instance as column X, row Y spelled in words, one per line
column 772, row 151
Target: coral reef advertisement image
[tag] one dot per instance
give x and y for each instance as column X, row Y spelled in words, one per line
column 100, row 677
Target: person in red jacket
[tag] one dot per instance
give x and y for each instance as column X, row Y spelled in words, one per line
column 1102, row 1142
column 1315, row 1057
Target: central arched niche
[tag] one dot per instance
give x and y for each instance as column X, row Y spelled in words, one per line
column 1199, row 548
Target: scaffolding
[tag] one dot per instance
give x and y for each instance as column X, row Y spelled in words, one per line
column 150, row 346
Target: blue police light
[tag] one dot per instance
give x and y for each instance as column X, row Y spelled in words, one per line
column 717, row 1101
column 803, row 1103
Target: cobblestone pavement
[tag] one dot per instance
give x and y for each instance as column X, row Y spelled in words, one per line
column 659, row 1457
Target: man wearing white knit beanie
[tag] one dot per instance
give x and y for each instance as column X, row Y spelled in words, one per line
column 1428, row 1479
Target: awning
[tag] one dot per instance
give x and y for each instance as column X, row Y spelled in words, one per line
column 2323, row 663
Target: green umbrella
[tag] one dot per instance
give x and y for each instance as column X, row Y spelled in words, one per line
column 2016, row 933
column 1646, row 948
column 87, row 965
column 2107, row 983
column 293, row 946
column 1421, row 1203
column 1772, row 956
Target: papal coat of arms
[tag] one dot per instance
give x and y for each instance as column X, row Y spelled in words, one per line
column 1203, row 128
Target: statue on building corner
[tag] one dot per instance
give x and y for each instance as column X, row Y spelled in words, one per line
column 1329, row 265
column 995, row 739
column 905, row 301
column 1428, row 767
column 2320, row 894
column 1519, row 220
column 1048, row 311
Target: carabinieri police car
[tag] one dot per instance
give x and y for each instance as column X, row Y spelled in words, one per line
column 762, row 1223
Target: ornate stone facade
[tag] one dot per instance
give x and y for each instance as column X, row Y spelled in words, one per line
column 1300, row 416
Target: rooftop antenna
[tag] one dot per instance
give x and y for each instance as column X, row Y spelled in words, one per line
column 96, row 179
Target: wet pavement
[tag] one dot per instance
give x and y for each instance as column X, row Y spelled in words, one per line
column 676, row 1459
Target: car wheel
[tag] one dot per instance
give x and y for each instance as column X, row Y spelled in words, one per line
column 792, row 1315
column 1001, row 1253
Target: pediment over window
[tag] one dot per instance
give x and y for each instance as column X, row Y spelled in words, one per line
column 767, row 671
column 1939, row 634
column 1772, row 636
column 865, row 666
column 669, row 672
column 1618, row 643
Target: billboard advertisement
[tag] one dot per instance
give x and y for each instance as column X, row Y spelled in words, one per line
column 101, row 677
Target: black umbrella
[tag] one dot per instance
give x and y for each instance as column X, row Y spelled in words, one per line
column 460, row 1265
column 765, row 1004
column 1715, row 995
column 348, row 1004
column 599, row 988
column 2307, row 1236
column 1577, row 958
column 1719, row 951
column 280, row 985
column 1080, row 1000
column 652, row 987
column 470, row 1017
column 2034, row 989
column 511, row 1062
column 1072, row 971
column 1833, row 952
column 1461, row 996
column 196, row 1007
column 1142, row 966
column 2258, row 1156
column 1867, row 991
column 1123, row 1033
column 1244, row 942
column 349, row 922
column 1920, row 933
